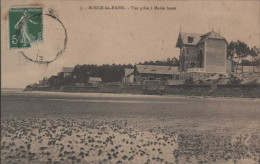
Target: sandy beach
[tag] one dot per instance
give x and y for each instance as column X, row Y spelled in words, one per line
column 53, row 127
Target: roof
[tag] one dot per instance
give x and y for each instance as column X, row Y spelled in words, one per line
column 197, row 38
column 95, row 79
column 128, row 71
column 211, row 35
column 154, row 69
column 183, row 37
column 67, row 69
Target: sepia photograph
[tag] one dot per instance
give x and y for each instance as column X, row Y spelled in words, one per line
column 130, row 82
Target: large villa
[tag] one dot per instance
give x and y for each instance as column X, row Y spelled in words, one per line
column 200, row 55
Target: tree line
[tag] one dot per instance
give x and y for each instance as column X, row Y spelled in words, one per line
column 239, row 51
column 107, row 72
column 236, row 51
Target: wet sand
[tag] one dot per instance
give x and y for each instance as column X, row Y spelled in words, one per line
column 108, row 128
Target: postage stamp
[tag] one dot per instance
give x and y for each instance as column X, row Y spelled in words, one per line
column 25, row 26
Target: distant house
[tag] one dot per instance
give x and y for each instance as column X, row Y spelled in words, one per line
column 129, row 76
column 94, row 81
column 67, row 71
column 202, row 53
column 153, row 72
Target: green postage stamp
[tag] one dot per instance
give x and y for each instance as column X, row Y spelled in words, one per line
column 25, row 26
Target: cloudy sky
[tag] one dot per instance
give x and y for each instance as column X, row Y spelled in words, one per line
column 129, row 36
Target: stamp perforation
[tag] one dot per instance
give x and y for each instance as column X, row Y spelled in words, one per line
column 42, row 27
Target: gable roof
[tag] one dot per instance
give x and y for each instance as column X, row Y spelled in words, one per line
column 67, row 69
column 197, row 38
column 211, row 35
column 183, row 38
column 128, row 71
column 154, row 69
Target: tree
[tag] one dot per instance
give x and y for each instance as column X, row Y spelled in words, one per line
column 238, row 50
column 231, row 50
column 254, row 52
column 242, row 51
column 81, row 72
column 55, row 81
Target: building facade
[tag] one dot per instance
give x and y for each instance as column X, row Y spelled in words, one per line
column 202, row 53
column 129, row 76
column 145, row 73
column 95, row 81
column 67, row 71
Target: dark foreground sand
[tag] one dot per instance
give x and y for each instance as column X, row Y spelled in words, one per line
column 96, row 128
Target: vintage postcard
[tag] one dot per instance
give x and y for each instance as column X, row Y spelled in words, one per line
column 130, row 81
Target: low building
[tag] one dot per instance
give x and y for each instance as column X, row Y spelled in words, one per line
column 67, row 71
column 154, row 72
column 94, row 81
column 129, row 76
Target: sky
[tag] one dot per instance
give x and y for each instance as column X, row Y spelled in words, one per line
column 120, row 37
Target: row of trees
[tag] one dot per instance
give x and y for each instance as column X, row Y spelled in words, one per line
column 168, row 62
column 238, row 51
column 60, row 80
column 108, row 73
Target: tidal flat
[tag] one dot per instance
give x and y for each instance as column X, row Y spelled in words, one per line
column 96, row 128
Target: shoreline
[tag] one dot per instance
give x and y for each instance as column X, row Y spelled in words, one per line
column 121, row 95
column 191, row 90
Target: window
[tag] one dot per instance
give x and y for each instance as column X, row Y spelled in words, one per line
column 187, row 51
column 190, row 39
column 200, row 58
